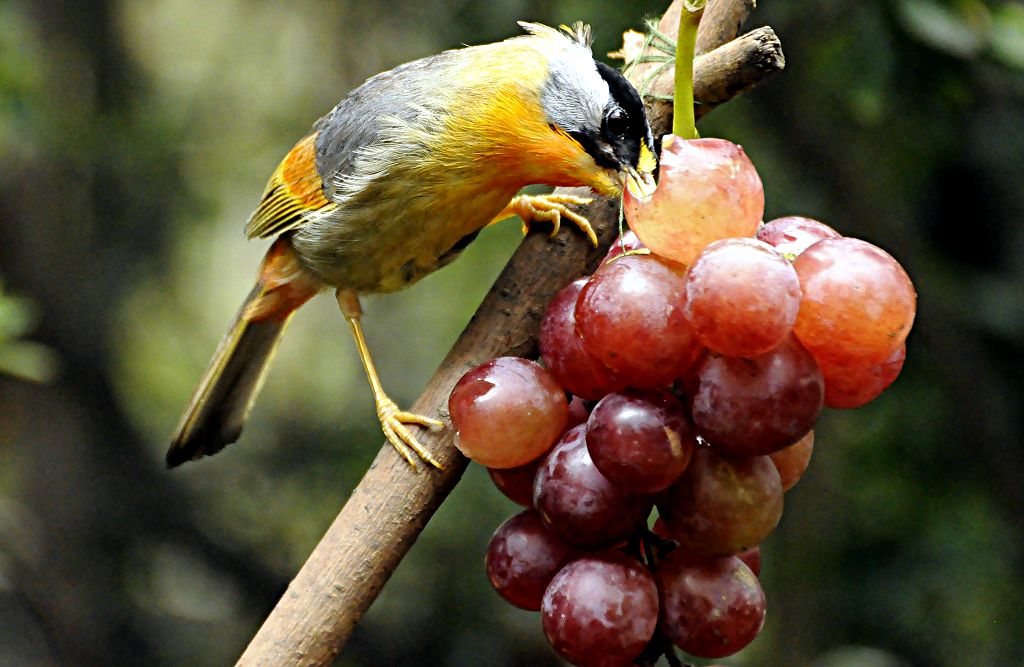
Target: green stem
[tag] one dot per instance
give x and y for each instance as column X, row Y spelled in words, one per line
column 684, row 123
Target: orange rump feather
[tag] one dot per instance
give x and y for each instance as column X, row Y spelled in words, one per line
column 294, row 190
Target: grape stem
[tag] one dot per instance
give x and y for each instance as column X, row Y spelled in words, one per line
column 684, row 122
column 649, row 548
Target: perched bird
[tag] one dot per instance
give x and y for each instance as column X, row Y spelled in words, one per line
column 399, row 177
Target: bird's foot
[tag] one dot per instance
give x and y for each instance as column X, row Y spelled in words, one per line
column 393, row 422
column 551, row 208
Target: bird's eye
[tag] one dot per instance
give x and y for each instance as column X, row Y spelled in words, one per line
column 616, row 122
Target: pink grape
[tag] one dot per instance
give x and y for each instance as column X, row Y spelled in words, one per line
column 742, row 297
column 858, row 303
column 522, row 558
column 600, row 610
column 793, row 234
column 578, row 503
column 854, row 384
column 517, row 483
column 630, row 315
column 792, row 461
column 708, row 189
column 507, row 412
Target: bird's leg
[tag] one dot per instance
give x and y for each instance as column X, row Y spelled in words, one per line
column 392, row 420
column 552, row 207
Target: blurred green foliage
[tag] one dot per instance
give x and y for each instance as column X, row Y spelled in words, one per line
column 23, row 359
column 135, row 137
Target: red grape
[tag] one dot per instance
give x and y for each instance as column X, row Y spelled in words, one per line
column 708, row 189
column 792, row 461
column 626, row 242
column 640, row 440
column 793, row 234
column 748, row 407
column 858, row 303
column 742, row 297
column 710, row 608
column 578, row 412
column 722, row 506
column 751, row 558
column 522, row 558
column 506, row 412
column 601, row 610
column 660, row 530
column 516, row 483
column 853, row 384
column 578, row 503
column 562, row 349
column 630, row 315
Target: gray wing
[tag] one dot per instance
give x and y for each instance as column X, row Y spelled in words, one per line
column 357, row 122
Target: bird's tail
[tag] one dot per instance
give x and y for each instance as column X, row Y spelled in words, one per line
column 220, row 404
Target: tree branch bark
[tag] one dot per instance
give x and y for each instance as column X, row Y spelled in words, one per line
column 721, row 23
column 393, row 503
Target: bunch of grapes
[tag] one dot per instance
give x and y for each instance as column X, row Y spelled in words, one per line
column 686, row 374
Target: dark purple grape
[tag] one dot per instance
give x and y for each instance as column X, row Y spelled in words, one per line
column 721, row 506
column 601, row 610
column 641, row 440
column 710, row 608
column 749, row 407
column 578, row 503
column 522, row 558
column 516, row 483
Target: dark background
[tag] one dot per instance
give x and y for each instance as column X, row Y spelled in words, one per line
column 135, row 138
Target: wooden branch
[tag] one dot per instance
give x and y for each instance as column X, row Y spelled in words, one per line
column 721, row 23
column 393, row 503
column 738, row 65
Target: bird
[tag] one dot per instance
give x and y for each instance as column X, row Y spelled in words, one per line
column 399, row 177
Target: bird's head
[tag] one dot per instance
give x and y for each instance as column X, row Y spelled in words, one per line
column 595, row 107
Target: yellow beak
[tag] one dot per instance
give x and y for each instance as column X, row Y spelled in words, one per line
column 640, row 183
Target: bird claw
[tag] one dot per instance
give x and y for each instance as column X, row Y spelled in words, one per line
column 393, row 422
column 552, row 208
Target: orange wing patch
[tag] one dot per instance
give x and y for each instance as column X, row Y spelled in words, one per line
column 294, row 189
